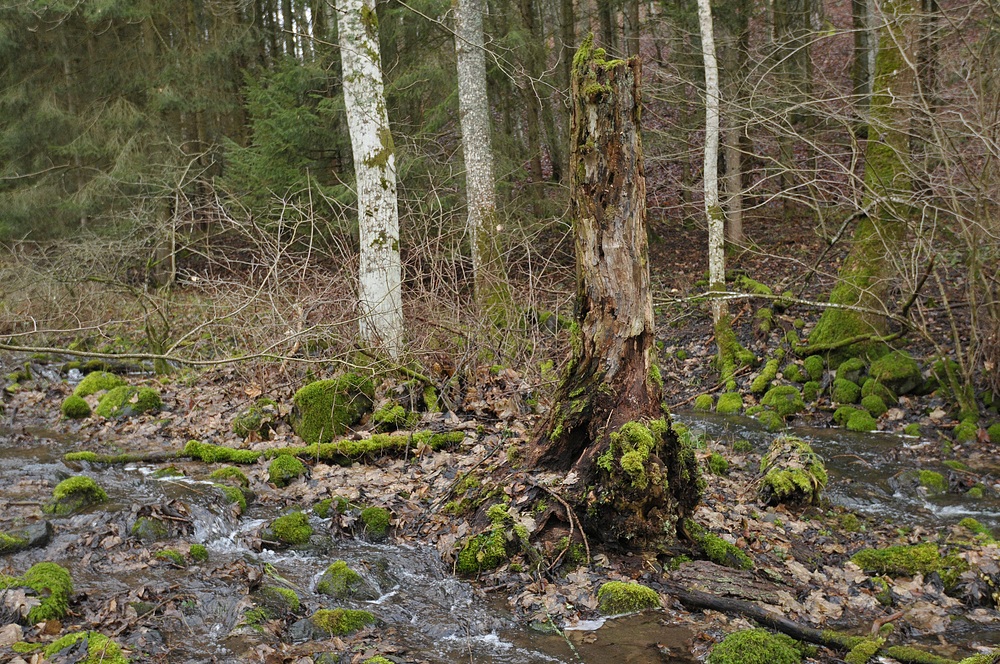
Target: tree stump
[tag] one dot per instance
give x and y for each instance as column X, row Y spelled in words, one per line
column 626, row 474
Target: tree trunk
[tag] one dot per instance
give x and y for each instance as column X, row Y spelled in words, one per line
column 624, row 470
column 381, row 315
column 492, row 290
column 713, row 211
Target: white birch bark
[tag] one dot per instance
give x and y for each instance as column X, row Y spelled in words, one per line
column 713, row 211
column 379, row 301
column 473, row 106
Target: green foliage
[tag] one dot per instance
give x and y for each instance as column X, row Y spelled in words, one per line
column 907, row 560
column 284, row 470
column 717, row 464
column 966, row 431
column 230, row 474
column 198, row 553
column 933, row 480
column 51, row 583
column 393, row 416
column 756, row 646
column 814, row 367
column 994, row 432
column 257, row 419
column 97, row 381
column 488, row 550
column 73, row 494
column 899, row 372
column 75, row 408
column 617, row 597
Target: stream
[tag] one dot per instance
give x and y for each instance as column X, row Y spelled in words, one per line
column 427, row 612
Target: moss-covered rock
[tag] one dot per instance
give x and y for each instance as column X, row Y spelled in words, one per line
column 791, row 472
column 324, row 409
column 933, row 481
column 811, row 391
column 793, row 372
column 845, row 391
column 771, row 420
column 762, row 381
column 73, row 494
column 230, row 475
column 279, row 601
column 814, row 367
column 861, row 420
column 98, row 381
column 618, row 597
column 258, row 419
column 907, row 560
column 716, row 549
column 897, row 371
column 290, row 529
column 233, row 495
column 75, row 408
column 912, row 429
column 785, row 400
column 717, row 464
column 983, row 658
column 704, row 403
column 874, row 405
column 851, row 369
column 30, row 537
column 167, row 472
column 966, row 431
column 51, row 584
column 756, row 646
column 342, row 582
column 994, row 432
column 128, row 401
column 392, row 417
column 99, row 649
column 843, row 414
column 864, row 651
column 149, row 529
column 730, row 403
column 198, row 553
column 872, row 387
column 376, row 522
column 172, row 556
column 284, row 470
column 340, row 622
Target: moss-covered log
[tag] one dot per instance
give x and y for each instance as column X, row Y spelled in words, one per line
column 627, row 475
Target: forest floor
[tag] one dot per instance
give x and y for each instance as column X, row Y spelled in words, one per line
column 802, row 555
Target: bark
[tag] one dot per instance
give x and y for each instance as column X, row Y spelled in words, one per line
column 713, row 211
column 861, row 70
column 626, row 474
column 381, row 317
column 489, row 275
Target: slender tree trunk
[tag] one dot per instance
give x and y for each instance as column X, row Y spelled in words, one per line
column 632, row 27
column 492, row 290
column 860, row 67
column 381, row 315
column 713, row 211
column 624, row 470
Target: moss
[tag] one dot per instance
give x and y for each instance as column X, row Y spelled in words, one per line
column 976, row 528
column 198, row 553
column 785, row 400
column 843, row 414
column 907, row 560
column 149, row 529
column 53, row 585
column 721, row 552
column 376, row 522
column 717, row 464
column 994, row 432
column 811, row 391
column 983, row 658
column 742, row 446
column 97, row 381
column 326, row 408
column 219, row 454
column 791, row 473
column 912, row 429
column 233, row 495
column 845, row 391
column 11, row 543
column 167, row 472
column 934, row 481
column 126, row 401
column 755, row 646
column 966, row 431
column 259, row 418
column 230, row 474
column 872, row 387
column 851, row 369
column 330, row 506
column 280, row 600
column 631, row 444
column 861, row 420
column 284, row 470
column 794, row 373
column 75, row 408
column 100, row 648
column 814, row 367
column 172, row 556
column 394, row 416
column 704, row 403
column 762, row 381
column 340, row 622
column 771, row 420
column 292, row 529
column 897, row 371
column 73, row 494
column 864, row 651
column 730, row 403
column 874, row 405
column 618, row 597
column 487, row 550
column 377, row 659
column 339, row 580
column 975, row 493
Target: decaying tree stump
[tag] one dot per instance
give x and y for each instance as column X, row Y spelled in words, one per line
column 626, row 474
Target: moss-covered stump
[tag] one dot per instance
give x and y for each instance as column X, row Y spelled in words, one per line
column 74, row 494
column 898, row 372
column 784, row 400
column 51, row 583
column 756, row 646
column 323, row 410
column 791, row 473
column 730, row 403
column 284, row 470
column 907, row 560
column 128, row 401
column 75, row 408
column 30, row 537
column 99, row 649
column 98, row 381
column 258, row 420
column 339, row 622
column 618, row 597
column 489, row 550
column 342, row 582
column 291, row 529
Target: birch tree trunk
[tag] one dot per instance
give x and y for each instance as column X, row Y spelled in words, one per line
column 489, row 275
column 713, row 211
column 379, row 302
column 621, row 466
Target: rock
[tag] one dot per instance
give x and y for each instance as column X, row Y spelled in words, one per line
column 258, row 419
column 897, row 371
column 74, row 494
column 618, row 597
column 785, row 400
column 340, row 581
column 324, row 409
column 851, row 369
column 34, row 536
column 128, row 401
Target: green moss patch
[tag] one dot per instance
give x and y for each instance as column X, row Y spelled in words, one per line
column 128, row 401
column 392, row 417
column 897, row 371
column 811, row 391
column 73, row 494
column 756, row 646
column 933, row 480
column 258, row 419
column 845, row 391
column 51, row 583
column 730, row 403
column 291, row 529
column 342, row 582
column 376, row 522
column 230, row 475
column 98, row 381
column 489, row 550
column 704, row 403
column 618, row 597
column 872, row 387
column 784, row 400
column 716, row 549
column 340, row 622
column 771, row 420
column 907, row 560
column 717, row 464
column 762, row 381
column 791, row 473
column 851, row 369
column 843, row 414
column 874, row 405
column 814, row 367
column 284, row 470
column 966, row 431
column 233, row 494
column 279, row 601
column 100, row 649
column 198, row 553
column 325, row 409
column 172, row 556
column 75, row 408
column 148, row 529
column 861, row 420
